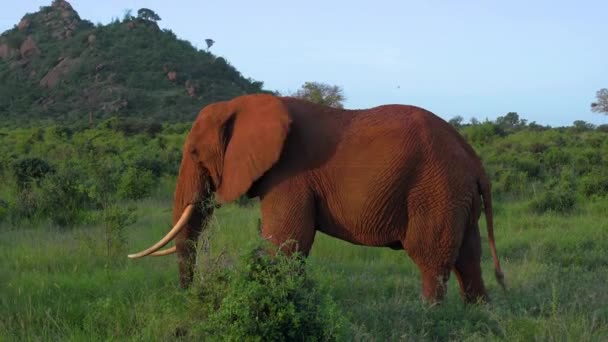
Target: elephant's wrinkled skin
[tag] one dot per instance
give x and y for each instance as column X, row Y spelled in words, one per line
column 395, row 176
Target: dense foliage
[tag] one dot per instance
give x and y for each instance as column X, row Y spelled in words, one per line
column 261, row 298
column 555, row 167
column 57, row 67
column 68, row 175
column 321, row 93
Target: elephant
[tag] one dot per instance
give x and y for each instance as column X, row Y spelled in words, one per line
column 394, row 176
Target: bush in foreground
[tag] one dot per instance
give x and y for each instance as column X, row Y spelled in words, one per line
column 265, row 299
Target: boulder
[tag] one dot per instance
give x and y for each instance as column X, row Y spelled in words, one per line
column 29, row 48
column 24, row 24
column 6, row 51
column 53, row 77
column 190, row 89
column 62, row 4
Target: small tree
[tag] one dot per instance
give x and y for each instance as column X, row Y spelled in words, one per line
column 510, row 123
column 582, row 126
column 209, row 42
column 601, row 106
column 456, row 121
column 115, row 219
column 30, row 170
column 147, row 14
column 321, row 93
column 128, row 15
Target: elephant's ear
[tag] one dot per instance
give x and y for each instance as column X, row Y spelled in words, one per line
column 254, row 137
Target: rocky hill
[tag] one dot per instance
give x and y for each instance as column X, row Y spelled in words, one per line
column 55, row 66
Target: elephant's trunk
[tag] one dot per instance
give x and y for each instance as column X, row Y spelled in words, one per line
column 192, row 189
column 191, row 212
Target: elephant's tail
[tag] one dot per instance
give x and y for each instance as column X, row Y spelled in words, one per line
column 484, row 187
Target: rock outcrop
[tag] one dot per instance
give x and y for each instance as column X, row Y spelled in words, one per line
column 24, row 24
column 64, row 67
column 29, row 48
column 7, row 52
column 190, row 88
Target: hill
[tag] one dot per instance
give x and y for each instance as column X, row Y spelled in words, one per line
column 55, row 66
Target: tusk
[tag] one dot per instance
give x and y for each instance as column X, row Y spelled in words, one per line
column 170, row 235
column 165, row 252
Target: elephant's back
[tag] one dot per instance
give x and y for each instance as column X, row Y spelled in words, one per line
column 399, row 156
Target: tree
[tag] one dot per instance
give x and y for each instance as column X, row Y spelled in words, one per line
column 601, row 106
column 209, row 42
column 321, row 93
column 128, row 15
column 456, row 121
column 582, row 126
column 147, row 14
column 510, row 123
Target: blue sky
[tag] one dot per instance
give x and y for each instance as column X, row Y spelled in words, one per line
column 542, row 59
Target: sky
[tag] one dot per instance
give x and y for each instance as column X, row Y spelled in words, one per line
column 543, row 59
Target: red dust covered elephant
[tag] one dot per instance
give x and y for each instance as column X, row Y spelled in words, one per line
column 392, row 176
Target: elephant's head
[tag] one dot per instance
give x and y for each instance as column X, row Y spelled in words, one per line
column 231, row 145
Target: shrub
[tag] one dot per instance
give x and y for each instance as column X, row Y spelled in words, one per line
column 135, row 183
column 63, row 198
column 555, row 158
column 528, row 166
column 30, row 170
column 115, row 220
column 512, row 181
column 595, row 184
column 26, row 205
column 482, row 134
column 4, row 206
column 150, row 163
column 272, row 299
column 560, row 200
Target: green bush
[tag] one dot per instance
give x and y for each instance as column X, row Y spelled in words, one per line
column 135, row 183
column 30, row 170
column 595, row 184
column 482, row 134
column 272, row 299
column 26, row 205
column 4, row 209
column 512, row 181
column 560, row 200
column 115, row 220
column 63, row 198
column 555, row 158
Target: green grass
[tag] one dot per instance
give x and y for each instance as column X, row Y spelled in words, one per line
column 58, row 284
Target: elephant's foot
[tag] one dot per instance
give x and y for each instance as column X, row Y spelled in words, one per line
column 471, row 284
column 434, row 285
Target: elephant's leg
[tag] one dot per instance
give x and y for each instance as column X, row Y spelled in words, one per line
column 288, row 218
column 434, row 284
column 468, row 268
column 432, row 243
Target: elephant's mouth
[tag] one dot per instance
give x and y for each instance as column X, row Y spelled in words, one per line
column 154, row 249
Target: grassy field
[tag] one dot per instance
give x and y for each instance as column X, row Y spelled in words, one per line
column 61, row 285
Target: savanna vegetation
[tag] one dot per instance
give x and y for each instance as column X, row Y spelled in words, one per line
column 74, row 202
column 86, row 179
